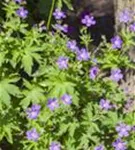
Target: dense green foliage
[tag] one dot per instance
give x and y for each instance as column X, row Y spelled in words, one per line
column 30, row 75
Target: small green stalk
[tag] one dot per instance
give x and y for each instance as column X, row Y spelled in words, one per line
column 50, row 14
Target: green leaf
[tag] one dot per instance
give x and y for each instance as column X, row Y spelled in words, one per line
column 36, row 56
column 132, row 143
column 84, row 142
column 68, row 4
column 7, row 89
column 59, row 4
column 8, row 134
column 27, row 63
column 4, row 96
column 2, row 58
column 111, row 120
column 72, row 127
column 35, row 94
column 63, row 129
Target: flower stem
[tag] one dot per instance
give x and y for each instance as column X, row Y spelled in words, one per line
column 50, row 14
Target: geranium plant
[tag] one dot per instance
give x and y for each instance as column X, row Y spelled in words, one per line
column 60, row 94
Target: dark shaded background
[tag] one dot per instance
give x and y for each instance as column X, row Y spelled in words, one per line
column 102, row 10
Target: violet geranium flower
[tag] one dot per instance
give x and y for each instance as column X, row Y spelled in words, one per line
column 33, row 111
column 72, row 45
column 63, row 28
column 100, row 147
column 123, row 130
column 88, row 20
column 119, row 145
column 125, row 16
column 116, row 42
column 18, row 1
column 58, row 14
column 62, row 62
column 83, row 55
column 55, row 146
column 93, row 72
column 32, row 135
column 66, row 99
column 22, row 12
column 52, row 104
column 105, row 104
column 132, row 27
column 116, row 74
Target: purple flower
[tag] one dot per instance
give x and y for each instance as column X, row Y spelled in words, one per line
column 52, row 104
column 22, row 12
column 116, row 42
column 83, row 54
column 119, row 145
column 94, row 61
column 33, row 112
column 123, row 130
column 105, row 104
column 62, row 62
column 66, row 99
column 72, row 45
column 55, row 146
column 42, row 28
column 63, row 28
column 125, row 16
column 132, row 27
column 93, row 72
column 88, row 20
column 126, row 90
column 58, row 14
column 100, row 147
column 133, row 128
column 128, row 107
column 116, row 74
column 32, row 135
column 18, row 1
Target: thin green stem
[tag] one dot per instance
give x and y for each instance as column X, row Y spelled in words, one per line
column 50, row 14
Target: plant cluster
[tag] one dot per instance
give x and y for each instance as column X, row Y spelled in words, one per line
column 60, row 94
